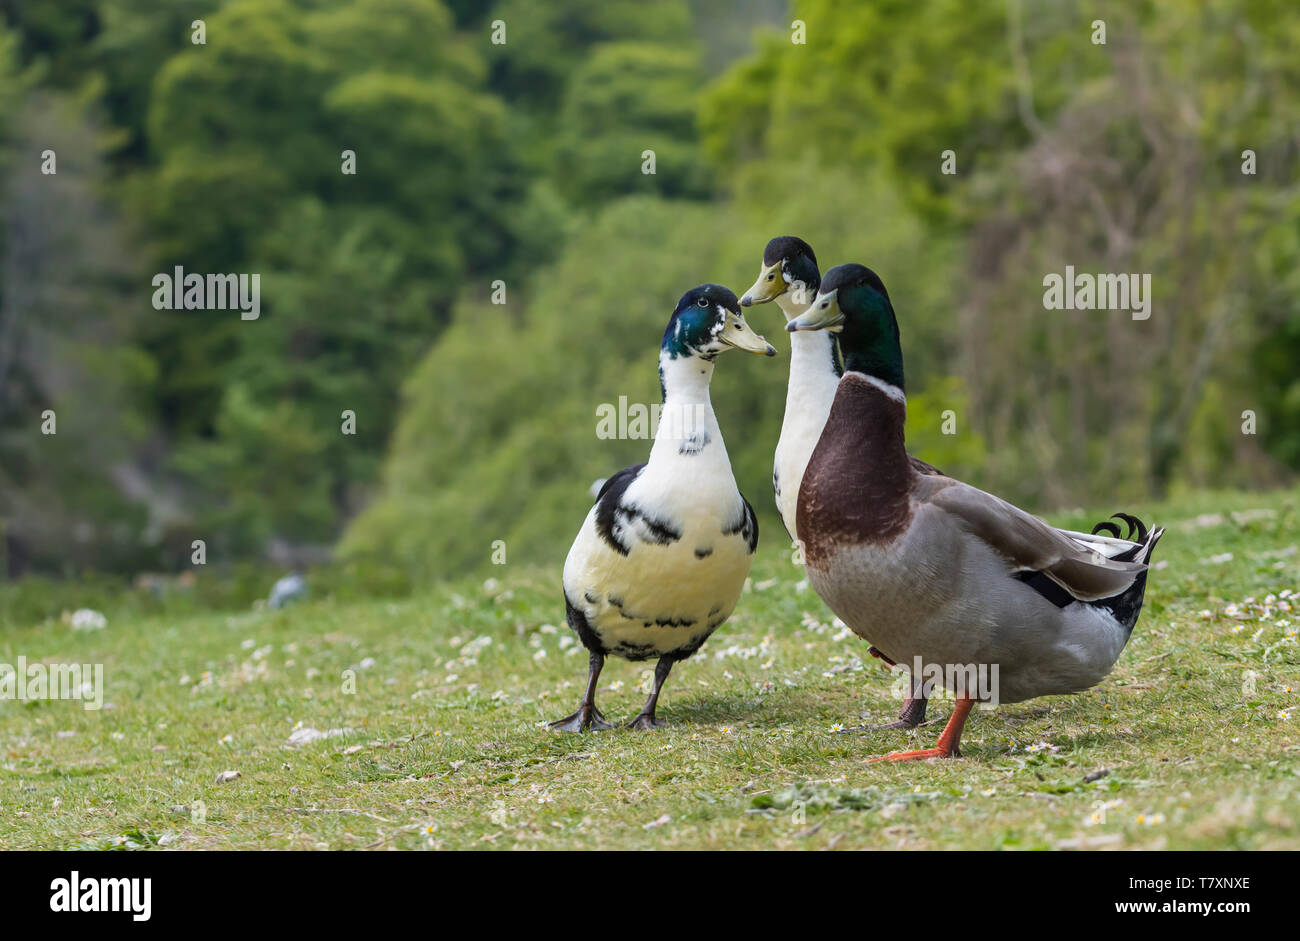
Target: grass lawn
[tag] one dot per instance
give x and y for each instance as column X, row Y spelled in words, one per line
column 1192, row 742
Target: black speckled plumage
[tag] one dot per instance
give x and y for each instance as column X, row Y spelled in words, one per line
column 619, row 522
column 746, row 524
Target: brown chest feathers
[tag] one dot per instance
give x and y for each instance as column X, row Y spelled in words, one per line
column 857, row 486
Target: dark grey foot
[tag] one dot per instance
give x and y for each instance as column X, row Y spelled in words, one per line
column 646, row 722
column 913, row 714
column 587, row 717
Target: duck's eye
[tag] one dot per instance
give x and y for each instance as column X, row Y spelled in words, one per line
column 703, row 302
column 772, row 276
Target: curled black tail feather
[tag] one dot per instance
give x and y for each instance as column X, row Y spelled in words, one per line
column 1137, row 531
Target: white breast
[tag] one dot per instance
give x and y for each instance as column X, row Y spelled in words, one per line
column 809, row 396
column 665, row 595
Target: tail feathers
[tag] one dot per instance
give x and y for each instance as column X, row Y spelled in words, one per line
column 1151, row 545
column 1134, row 524
column 1127, row 604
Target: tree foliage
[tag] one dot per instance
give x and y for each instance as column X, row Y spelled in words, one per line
column 484, row 167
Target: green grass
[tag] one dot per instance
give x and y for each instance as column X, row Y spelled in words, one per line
column 443, row 747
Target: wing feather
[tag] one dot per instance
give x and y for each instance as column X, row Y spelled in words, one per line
column 1030, row 544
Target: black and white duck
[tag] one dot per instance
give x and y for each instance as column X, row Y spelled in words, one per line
column 790, row 277
column 663, row 554
column 936, row 573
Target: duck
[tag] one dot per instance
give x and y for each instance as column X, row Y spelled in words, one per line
column 789, row 276
column 663, row 554
column 974, row 593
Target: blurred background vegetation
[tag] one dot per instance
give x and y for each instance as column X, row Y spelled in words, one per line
column 522, row 163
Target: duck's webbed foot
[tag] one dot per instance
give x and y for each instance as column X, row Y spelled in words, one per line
column 646, row 722
column 646, row 719
column 918, row 755
column 912, row 715
column 949, row 739
column 587, row 716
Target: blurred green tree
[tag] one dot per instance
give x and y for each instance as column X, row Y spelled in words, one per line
column 626, row 99
column 249, row 134
column 73, row 388
column 1120, row 157
column 520, row 162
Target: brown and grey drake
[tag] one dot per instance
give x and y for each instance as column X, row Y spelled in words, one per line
column 790, row 277
column 956, row 583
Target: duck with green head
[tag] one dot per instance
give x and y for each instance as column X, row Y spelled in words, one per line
column 663, row 554
column 961, row 586
column 790, row 277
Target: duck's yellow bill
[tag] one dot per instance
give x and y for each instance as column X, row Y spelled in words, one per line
column 822, row 314
column 769, row 286
column 739, row 334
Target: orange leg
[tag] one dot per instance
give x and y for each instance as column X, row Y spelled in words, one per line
column 948, row 739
